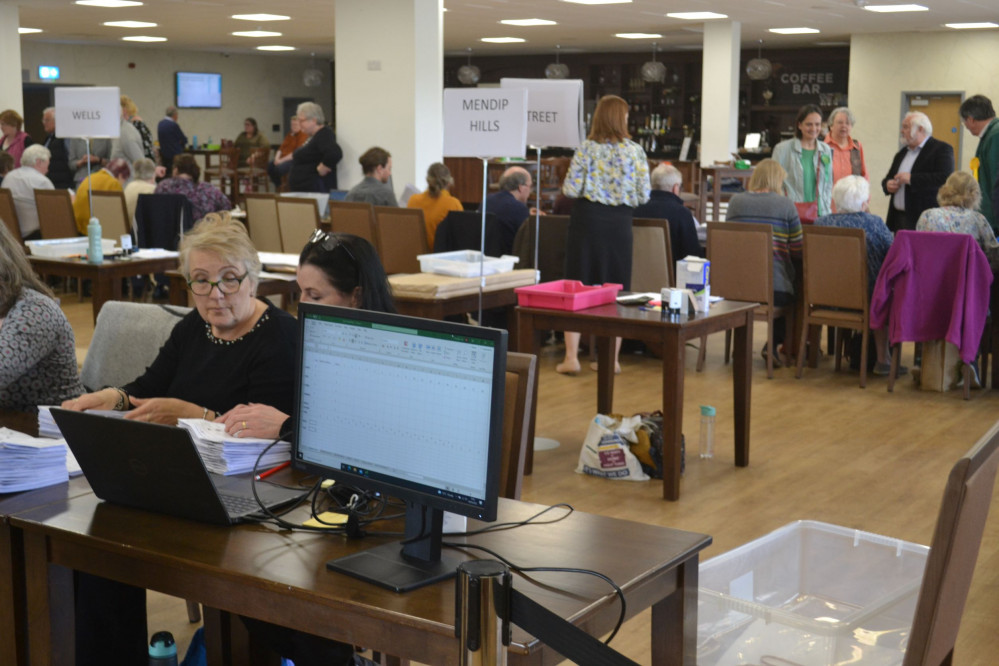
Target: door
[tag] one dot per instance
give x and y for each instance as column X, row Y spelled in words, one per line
column 942, row 110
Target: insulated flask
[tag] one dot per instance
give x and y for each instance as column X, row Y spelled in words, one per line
column 162, row 649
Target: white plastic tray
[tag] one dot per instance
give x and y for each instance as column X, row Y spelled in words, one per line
column 465, row 263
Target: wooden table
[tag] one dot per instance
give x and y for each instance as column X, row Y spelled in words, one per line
column 105, row 277
column 281, row 577
column 717, row 173
column 438, row 308
column 612, row 320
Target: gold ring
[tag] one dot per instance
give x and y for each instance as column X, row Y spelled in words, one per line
column 244, row 425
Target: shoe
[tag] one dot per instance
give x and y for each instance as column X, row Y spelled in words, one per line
column 765, row 353
column 567, row 368
column 617, row 367
column 884, row 369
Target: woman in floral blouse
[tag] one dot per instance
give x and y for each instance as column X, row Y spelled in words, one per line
column 608, row 177
column 205, row 198
column 959, row 199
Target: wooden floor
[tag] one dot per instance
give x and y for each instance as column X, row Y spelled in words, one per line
column 822, row 448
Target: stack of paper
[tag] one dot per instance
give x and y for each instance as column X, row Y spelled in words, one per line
column 28, row 462
column 226, row 454
column 47, row 426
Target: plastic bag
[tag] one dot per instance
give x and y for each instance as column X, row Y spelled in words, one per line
column 606, row 451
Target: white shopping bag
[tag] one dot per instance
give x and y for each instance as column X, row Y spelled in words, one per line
column 605, row 451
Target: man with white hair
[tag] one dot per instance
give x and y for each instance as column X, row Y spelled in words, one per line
column 22, row 183
column 916, row 173
column 665, row 204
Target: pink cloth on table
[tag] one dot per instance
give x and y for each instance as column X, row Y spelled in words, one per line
column 933, row 286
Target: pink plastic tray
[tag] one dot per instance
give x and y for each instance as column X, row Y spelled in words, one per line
column 566, row 295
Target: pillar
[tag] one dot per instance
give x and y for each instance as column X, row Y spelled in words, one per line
column 720, row 91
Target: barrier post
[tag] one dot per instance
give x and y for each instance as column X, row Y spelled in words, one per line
column 482, row 612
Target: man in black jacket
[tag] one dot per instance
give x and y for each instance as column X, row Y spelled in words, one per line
column 916, row 173
column 665, row 204
column 59, row 172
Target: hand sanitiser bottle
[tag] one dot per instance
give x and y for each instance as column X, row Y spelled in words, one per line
column 95, row 250
column 707, row 440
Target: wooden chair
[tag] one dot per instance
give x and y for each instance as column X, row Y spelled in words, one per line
column 9, row 214
column 519, row 405
column 55, row 214
column 835, row 288
column 354, row 217
column 110, row 209
column 227, row 171
column 742, row 269
column 298, row 218
column 262, row 222
column 253, row 176
column 662, row 274
column 402, row 236
column 553, row 231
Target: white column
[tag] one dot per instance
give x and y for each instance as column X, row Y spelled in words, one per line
column 10, row 58
column 720, row 91
column 389, row 86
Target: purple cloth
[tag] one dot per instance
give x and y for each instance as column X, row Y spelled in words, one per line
column 933, row 286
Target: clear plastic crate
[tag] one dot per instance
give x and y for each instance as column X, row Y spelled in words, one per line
column 56, row 248
column 465, row 263
column 810, row 593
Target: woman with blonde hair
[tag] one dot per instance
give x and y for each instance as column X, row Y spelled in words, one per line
column 437, row 201
column 131, row 114
column 959, row 199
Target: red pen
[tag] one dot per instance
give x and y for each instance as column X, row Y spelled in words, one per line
column 272, row 470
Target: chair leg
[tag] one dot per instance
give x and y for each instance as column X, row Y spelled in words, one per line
column 835, row 343
column 193, row 612
column 863, row 356
column 728, row 346
column 771, row 352
column 801, row 348
column 894, row 366
column 967, row 381
column 702, row 353
column 788, row 335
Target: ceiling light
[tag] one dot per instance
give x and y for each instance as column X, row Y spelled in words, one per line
column 256, row 33
column 598, row 2
column 130, row 24
column 971, row 26
column 260, row 17
column 144, row 38
column 275, row 47
column 696, row 16
column 794, row 31
column 28, row 31
column 502, row 40
column 557, row 70
column 638, row 35
column 890, row 9
column 527, row 22
column 115, row 4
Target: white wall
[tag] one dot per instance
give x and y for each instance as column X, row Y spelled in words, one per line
column 252, row 85
column 883, row 66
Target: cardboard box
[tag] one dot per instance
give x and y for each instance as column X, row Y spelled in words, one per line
column 694, row 273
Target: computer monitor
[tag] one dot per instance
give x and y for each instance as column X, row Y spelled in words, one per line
column 407, row 407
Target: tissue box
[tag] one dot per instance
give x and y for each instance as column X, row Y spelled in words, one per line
column 694, row 273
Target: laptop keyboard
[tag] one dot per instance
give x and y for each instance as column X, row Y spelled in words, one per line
column 237, row 506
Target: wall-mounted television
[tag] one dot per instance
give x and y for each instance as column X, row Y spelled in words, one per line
column 199, row 90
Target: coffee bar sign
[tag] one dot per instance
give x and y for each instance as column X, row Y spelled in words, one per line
column 821, row 84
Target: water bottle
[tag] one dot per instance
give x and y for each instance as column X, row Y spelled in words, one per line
column 162, row 649
column 194, row 142
column 707, row 440
column 95, row 249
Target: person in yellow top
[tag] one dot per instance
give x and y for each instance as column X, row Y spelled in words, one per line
column 436, row 202
column 111, row 178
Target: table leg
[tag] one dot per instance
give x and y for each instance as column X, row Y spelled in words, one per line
column 742, row 373
column 605, row 375
column 102, row 290
column 527, row 341
column 51, row 606
column 673, row 358
column 674, row 621
column 12, row 621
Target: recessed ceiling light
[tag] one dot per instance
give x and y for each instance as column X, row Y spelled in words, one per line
column 971, row 26
column 109, row 3
column 260, row 17
column 793, row 31
column 257, row 33
column 890, row 9
column 638, row 35
column 28, row 31
column 502, row 40
column 275, row 47
column 527, row 22
column 144, row 38
column 598, row 2
column 696, row 16
column 130, row 24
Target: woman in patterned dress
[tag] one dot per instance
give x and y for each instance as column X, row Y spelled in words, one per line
column 959, row 199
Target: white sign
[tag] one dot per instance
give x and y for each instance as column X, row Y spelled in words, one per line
column 554, row 111
column 485, row 122
column 88, row 113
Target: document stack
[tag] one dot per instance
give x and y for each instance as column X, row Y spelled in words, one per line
column 226, row 454
column 47, row 426
column 28, row 462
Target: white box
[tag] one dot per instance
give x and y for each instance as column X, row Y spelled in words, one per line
column 465, row 263
column 56, row 248
column 812, row 594
column 694, row 273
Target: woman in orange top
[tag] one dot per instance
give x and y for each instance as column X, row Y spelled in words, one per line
column 436, row 202
column 848, row 154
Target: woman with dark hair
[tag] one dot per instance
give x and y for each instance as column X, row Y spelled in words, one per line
column 204, row 197
column 808, row 163
column 111, row 178
column 437, row 201
column 249, row 140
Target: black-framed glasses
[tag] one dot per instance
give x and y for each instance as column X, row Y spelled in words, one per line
column 329, row 242
column 227, row 285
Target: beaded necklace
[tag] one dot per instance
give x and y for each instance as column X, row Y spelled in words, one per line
column 219, row 341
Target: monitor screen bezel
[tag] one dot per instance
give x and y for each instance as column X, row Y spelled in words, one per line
column 486, row 512
column 176, row 84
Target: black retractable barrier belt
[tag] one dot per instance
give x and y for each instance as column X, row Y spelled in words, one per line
column 565, row 638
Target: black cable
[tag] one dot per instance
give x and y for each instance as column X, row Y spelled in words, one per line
column 497, row 527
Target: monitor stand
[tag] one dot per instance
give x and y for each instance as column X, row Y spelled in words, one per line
column 407, row 565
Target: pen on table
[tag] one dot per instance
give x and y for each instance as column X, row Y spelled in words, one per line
column 272, row 470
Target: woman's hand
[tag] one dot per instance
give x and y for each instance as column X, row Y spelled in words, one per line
column 103, row 399
column 253, row 420
column 163, row 410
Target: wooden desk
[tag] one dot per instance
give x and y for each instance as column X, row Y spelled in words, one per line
column 438, row 308
column 281, row 577
column 612, row 320
column 717, row 173
column 105, row 277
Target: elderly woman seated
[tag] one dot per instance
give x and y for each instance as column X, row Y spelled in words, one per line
column 958, row 214
column 852, row 194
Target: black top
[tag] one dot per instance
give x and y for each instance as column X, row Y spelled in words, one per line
column 510, row 214
column 59, row 172
column 321, row 147
column 682, row 229
column 933, row 165
column 172, row 139
column 195, row 367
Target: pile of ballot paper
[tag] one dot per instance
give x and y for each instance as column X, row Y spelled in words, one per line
column 227, row 454
column 28, row 462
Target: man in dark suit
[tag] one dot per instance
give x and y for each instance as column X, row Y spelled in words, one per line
column 59, row 172
column 916, row 173
column 665, row 204
column 172, row 139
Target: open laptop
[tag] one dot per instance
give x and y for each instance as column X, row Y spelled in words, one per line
column 158, row 468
